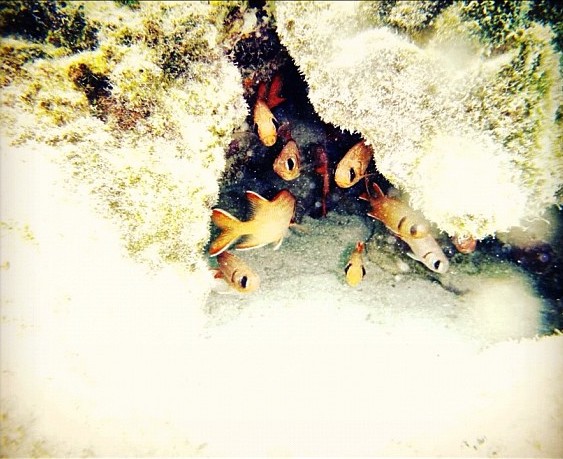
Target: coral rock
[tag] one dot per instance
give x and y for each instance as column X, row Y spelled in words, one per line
column 462, row 117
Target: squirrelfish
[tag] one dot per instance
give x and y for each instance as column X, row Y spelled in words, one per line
column 396, row 215
column 406, row 224
column 464, row 244
column 269, row 223
column 264, row 122
column 237, row 273
column 355, row 270
column 288, row 162
column 262, row 113
column 353, row 166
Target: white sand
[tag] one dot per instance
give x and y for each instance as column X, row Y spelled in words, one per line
column 100, row 357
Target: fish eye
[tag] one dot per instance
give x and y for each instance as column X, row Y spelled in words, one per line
column 243, row 281
column 347, row 268
column 290, row 164
column 352, row 174
column 363, row 271
column 437, row 264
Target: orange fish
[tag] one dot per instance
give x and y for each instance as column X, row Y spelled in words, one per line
column 464, row 244
column 355, row 270
column 262, row 113
column 264, row 122
column 288, row 163
column 396, row 215
column 352, row 167
column 410, row 227
column 269, row 223
column 237, row 273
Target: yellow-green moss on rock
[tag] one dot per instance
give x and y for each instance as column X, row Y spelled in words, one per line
column 142, row 119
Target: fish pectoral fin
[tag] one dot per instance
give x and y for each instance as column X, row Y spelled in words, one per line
column 217, row 274
column 299, row 228
column 250, row 242
column 278, row 244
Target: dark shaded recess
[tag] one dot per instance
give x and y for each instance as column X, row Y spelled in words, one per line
column 254, row 51
column 48, row 21
column 94, row 85
column 258, row 4
column 543, row 263
column 296, row 92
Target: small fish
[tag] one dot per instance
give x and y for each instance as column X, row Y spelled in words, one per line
column 288, row 162
column 264, row 122
column 352, row 167
column 465, row 244
column 396, row 215
column 269, row 223
column 355, row 270
column 410, row 227
column 262, row 113
column 237, row 273
column 321, row 167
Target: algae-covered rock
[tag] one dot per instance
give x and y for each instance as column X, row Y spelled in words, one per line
column 459, row 101
column 140, row 102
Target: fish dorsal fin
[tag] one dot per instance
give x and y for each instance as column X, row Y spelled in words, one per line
column 278, row 243
column 284, row 199
column 256, row 201
column 377, row 190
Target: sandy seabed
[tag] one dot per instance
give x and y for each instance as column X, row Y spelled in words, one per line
column 101, row 357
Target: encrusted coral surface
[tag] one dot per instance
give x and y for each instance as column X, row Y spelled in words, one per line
column 461, row 109
column 139, row 100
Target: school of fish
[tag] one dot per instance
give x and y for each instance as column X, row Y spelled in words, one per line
column 270, row 220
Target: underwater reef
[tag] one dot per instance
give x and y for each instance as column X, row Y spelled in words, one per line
column 461, row 101
column 126, row 125
column 148, row 104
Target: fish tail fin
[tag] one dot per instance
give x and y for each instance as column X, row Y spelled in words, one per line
column 230, row 231
column 360, row 246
